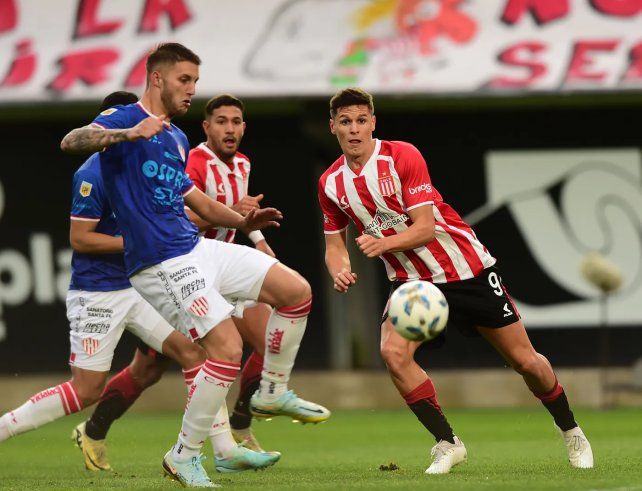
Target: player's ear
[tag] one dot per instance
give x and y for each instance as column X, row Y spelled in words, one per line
column 156, row 78
column 206, row 125
column 332, row 126
column 374, row 122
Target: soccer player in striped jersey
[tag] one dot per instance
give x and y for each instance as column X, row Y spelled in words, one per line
column 384, row 188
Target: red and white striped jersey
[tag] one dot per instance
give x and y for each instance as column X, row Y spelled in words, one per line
column 394, row 181
column 226, row 183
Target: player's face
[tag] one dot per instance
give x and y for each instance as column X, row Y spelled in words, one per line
column 353, row 126
column 224, row 130
column 178, row 86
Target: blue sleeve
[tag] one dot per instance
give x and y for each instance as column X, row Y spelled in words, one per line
column 116, row 117
column 88, row 198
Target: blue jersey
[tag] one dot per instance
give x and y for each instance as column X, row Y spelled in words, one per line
column 95, row 272
column 145, row 182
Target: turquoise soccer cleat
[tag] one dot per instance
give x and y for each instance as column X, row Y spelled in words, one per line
column 191, row 473
column 289, row 404
column 244, row 459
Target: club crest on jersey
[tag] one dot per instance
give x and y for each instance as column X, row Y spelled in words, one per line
column 200, row 307
column 109, row 111
column 181, row 152
column 343, row 202
column 90, row 346
column 85, row 189
column 387, row 185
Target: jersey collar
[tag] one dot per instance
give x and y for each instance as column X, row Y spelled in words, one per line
column 373, row 158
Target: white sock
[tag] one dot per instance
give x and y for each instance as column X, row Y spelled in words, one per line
column 206, row 396
column 42, row 408
column 220, row 434
column 283, row 335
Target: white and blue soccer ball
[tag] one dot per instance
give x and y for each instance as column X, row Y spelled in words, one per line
column 418, row 310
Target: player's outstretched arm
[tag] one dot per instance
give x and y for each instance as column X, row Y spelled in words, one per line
column 219, row 215
column 418, row 234
column 337, row 260
column 84, row 239
column 92, row 138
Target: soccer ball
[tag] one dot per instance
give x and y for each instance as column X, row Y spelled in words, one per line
column 418, row 310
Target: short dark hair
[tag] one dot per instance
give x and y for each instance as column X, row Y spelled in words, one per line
column 352, row 96
column 118, row 98
column 170, row 53
column 222, row 100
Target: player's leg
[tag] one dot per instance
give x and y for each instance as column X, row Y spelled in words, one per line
column 417, row 389
column 96, row 325
column 513, row 344
column 46, row 406
column 290, row 295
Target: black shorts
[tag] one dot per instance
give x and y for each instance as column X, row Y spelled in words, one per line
column 147, row 351
column 480, row 301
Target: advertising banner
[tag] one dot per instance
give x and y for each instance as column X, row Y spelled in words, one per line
column 81, row 49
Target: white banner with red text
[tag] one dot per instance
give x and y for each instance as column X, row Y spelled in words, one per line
column 82, row 49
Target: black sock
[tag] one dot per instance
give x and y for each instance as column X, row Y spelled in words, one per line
column 111, row 407
column 241, row 417
column 433, row 419
column 561, row 412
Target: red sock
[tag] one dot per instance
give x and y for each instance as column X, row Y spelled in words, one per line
column 422, row 401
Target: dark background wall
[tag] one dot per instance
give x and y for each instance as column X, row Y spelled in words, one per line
column 289, row 145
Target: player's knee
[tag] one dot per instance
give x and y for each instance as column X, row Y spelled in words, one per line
column 395, row 357
column 88, row 391
column 298, row 292
column 527, row 364
column 150, row 375
column 191, row 356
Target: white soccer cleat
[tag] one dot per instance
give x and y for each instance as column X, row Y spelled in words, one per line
column 446, row 455
column 578, row 447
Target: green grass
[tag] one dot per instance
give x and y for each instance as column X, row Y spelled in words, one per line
column 507, row 449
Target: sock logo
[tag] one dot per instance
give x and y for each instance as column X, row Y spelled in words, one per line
column 45, row 393
column 271, row 388
column 275, row 338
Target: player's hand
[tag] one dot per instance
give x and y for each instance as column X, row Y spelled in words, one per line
column 147, row 128
column 247, row 203
column 371, row 246
column 263, row 246
column 260, row 218
column 344, row 280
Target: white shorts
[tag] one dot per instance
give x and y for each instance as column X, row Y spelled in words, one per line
column 97, row 321
column 197, row 291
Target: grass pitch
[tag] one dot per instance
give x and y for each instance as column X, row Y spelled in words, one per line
column 507, row 449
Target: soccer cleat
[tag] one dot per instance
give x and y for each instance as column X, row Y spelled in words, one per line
column 446, row 455
column 248, row 440
column 288, row 405
column 191, row 473
column 244, row 459
column 94, row 451
column 578, row 447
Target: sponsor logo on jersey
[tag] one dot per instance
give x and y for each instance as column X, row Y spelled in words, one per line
column 343, row 202
column 85, row 189
column 108, row 112
column 387, row 185
column 193, row 286
column 384, row 221
column 422, row 187
column 183, row 273
column 220, row 189
column 95, row 328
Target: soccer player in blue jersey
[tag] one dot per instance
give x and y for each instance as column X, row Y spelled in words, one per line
column 101, row 303
column 100, row 291
column 193, row 283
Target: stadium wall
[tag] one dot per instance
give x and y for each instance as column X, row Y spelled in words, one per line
column 573, row 162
